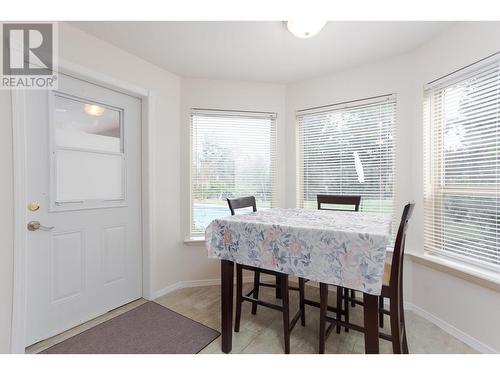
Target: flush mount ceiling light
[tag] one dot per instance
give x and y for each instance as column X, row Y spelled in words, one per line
column 93, row 110
column 305, row 29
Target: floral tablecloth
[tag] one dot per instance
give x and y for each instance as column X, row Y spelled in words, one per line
column 335, row 247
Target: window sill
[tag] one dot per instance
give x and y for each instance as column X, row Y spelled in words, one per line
column 476, row 275
column 194, row 241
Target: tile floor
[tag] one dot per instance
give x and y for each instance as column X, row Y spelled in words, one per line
column 263, row 333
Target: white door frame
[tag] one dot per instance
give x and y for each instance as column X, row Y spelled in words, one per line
column 146, row 96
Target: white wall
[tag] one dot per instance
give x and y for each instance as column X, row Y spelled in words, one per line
column 383, row 78
column 229, row 95
column 82, row 49
column 460, row 46
column 386, row 77
column 6, row 222
column 467, row 307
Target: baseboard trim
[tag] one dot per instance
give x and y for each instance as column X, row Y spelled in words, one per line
column 445, row 326
column 164, row 291
column 193, row 284
column 452, row 330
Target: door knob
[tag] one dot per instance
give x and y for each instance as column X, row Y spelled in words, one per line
column 35, row 225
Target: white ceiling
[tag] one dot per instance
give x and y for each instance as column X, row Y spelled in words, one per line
column 261, row 50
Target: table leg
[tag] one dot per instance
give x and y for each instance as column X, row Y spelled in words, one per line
column 278, row 287
column 323, row 309
column 227, row 278
column 370, row 311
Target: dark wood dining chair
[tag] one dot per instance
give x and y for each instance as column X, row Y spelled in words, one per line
column 247, row 202
column 281, row 285
column 392, row 288
column 339, row 203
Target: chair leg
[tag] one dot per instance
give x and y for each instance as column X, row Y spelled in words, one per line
column 323, row 308
column 395, row 325
column 256, row 282
column 302, row 305
column 353, row 296
column 346, row 304
column 405, row 342
column 278, row 288
column 239, row 300
column 381, row 314
column 405, row 349
column 286, row 312
column 339, row 306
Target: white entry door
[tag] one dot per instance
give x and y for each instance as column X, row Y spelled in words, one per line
column 84, row 254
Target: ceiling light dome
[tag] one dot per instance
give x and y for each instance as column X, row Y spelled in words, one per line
column 93, row 110
column 305, row 29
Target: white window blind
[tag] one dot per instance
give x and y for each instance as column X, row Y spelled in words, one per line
column 232, row 155
column 461, row 173
column 348, row 149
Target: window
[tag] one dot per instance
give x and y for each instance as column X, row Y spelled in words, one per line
column 348, row 149
column 461, row 173
column 88, row 158
column 232, row 154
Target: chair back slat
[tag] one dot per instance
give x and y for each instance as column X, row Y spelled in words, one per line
column 396, row 277
column 241, row 202
column 345, row 200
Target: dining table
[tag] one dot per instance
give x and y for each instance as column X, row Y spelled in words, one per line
column 341, row 248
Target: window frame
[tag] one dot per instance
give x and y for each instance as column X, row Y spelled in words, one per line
column 345, row 106
column 194, row 237
column 434, row 184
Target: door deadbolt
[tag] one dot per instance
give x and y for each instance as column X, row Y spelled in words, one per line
column 33, row 206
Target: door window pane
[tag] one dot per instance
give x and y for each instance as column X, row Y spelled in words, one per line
column 89, row 161
column 79, row 124
column 88, row 175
